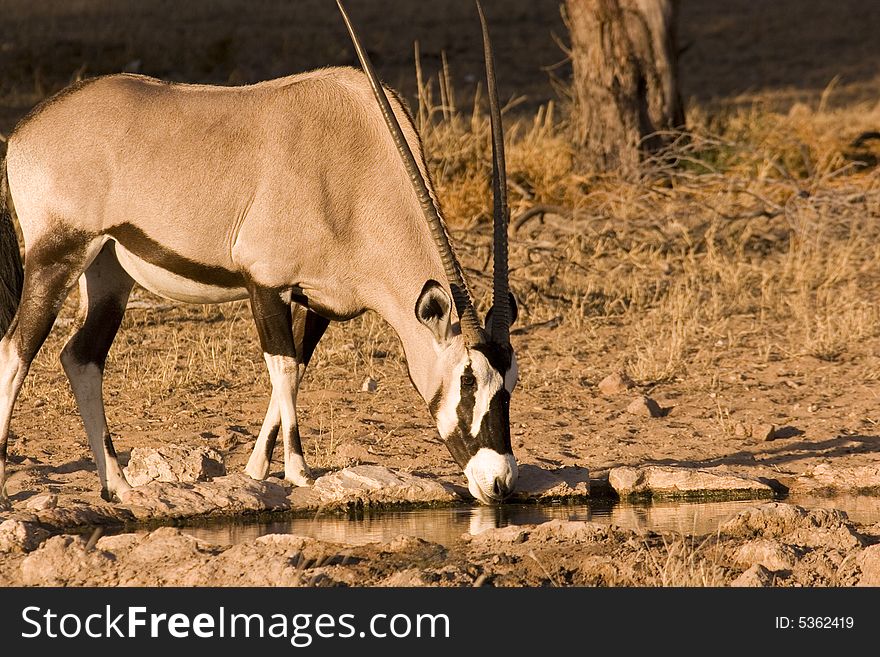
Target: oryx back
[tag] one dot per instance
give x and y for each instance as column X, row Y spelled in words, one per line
column 206, row 189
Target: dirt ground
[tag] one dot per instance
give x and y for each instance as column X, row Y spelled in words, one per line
column 719, row 297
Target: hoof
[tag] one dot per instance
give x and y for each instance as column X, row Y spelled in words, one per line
column 115, row 497
column 302, row 481
column 257, row 473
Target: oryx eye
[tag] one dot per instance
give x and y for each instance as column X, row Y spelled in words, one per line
column 468, row 380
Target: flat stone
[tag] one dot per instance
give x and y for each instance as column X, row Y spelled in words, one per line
column 66, row 561
column 615, row 383
column 644, row 406
column 827, row 478
column 42, row 502
column 764, row 431
column 20, row 536
column 510, row 534
column 869, row 561
column 76, row 515
column 774, row 556
column 793, row 525
column 378, row 485
column 755, row 576
column 172, row 463
column 537, row 483
column 668, row 481
column 231, row 494
column 369, row 385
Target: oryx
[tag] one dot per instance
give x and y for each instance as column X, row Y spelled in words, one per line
column 303, row 194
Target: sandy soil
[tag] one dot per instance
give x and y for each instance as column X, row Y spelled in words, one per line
column 194, row 375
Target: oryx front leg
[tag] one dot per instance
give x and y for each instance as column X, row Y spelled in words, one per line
column 284, row 374
column 272, row 315
column 104, row 289
column 307, row 329
column 261, row 458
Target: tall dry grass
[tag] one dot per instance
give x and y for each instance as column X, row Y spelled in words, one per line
column 754, row 228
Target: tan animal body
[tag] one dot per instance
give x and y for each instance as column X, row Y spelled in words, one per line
column 307, row 195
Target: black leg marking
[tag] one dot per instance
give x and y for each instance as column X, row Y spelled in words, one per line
column 104, row 291
column 308, row 328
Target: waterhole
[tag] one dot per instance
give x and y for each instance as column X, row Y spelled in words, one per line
column 445, row 525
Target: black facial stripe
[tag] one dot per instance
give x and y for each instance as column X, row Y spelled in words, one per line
column 466, row 404
column 495, row 427
column 460, row 443
column 434, row 404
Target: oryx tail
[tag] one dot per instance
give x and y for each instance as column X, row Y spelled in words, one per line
column 11, row 272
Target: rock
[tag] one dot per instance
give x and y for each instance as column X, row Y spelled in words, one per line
column 771, row 554
column 64, row 561
column 375, row 484
column 510, row 534
column 764, row 431
column 579, row 531
column 537, row 483
column 615, row 383
column 826, row 528
column 231, row 494
column 369, row 385
column 118, row 542
column 667, row 481
column 167, row 545
column 741, row 431
column 42, row 502
column 76, row 515
column 174, row 464
column 756, row 576
column 644, row 406
column 352, row 454
column 826, row 479
column 20, row 536
column 408, row 578
column 869, row 561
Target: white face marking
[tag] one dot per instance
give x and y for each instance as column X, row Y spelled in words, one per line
column 485, row 468
column 447, row 414
column 488, row 383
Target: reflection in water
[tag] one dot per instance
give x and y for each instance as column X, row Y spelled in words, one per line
column 448, row 524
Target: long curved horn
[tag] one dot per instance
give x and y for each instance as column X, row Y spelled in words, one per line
column 501, row 212
column 464, row 305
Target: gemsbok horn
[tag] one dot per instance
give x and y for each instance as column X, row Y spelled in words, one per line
column 297, row 194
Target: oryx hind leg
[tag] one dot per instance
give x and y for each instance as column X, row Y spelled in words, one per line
column 103, row 294
column 52, row 265
column 272, row 316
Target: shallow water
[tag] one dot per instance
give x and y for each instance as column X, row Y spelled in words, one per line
column 445, row 525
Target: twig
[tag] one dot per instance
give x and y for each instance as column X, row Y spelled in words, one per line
column 537, row 210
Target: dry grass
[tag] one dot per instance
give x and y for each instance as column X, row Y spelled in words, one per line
column 755, row 228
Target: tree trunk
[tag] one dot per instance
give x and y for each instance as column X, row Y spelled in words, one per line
column 625, row 86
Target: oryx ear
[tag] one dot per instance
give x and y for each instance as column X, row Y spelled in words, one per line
column 514, row 313
column 433, row 310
